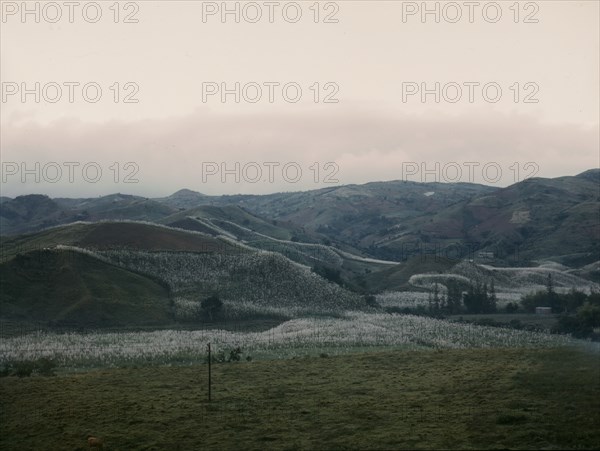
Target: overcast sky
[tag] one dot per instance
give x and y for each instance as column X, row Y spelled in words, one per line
column 352, row 109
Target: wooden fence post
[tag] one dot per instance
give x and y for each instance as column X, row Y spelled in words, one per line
column 209, row 373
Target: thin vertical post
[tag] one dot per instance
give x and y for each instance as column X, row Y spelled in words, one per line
column 209, row 373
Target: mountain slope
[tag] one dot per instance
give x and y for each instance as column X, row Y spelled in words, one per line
column 115, row 235
column 35, row 212
column 530, row 220
column 66, row 287
column 535, row 219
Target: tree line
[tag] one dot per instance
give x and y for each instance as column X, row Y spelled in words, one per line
column 478, row 298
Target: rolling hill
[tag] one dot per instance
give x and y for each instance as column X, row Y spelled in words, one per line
column 36, row 212
column 60, row 287
column 534, row 219
column 112, row 262
column 115, row 235
column 291, row 254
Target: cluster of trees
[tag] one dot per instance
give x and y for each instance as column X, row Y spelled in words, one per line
column 558, row 302
column 478, row 298
column 439, row 303
column 584, row 322
column 580, row 312
column 211, row 307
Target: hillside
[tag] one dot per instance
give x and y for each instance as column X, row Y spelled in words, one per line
column 428, row 228
column 230, row 213
column 115, row 235
column 73, row 288
column 36, row 212
column 251, row 284
column 192, row 265
column 185, row 199
column 397, row 277
column 534, row 219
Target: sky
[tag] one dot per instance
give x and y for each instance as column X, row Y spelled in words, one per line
column 149, row 97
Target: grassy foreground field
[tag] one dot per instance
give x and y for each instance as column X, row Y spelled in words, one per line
column 478, row 398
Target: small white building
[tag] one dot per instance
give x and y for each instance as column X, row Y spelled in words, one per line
column 543, row 311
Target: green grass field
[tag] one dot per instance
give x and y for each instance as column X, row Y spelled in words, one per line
column 485, row 398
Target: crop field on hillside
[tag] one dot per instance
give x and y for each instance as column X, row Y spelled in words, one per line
column 305, row 336
column 263, row 278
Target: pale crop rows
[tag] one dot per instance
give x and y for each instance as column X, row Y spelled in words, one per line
column 297, row 336
column 257, row 280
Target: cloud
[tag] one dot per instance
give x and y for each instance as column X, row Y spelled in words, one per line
column 365, row 146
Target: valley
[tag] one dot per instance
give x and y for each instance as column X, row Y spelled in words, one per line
column 386, row 272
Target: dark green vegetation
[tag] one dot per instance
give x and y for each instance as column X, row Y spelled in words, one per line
column 521, row 321
column 478, row 399
column 66, row 287
column 477, row 299
column 580, row 311
column 41, row 367
column 211, row 307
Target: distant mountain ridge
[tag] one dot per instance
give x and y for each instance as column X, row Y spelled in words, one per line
column 536, row 218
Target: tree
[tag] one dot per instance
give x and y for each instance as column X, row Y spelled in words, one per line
column 549, row 285
column 329, row 273
column 589, row 315
column 554, row 300
column 484, row 300
column 574, row 299
column 444, row 303
column 492, row 298
column 436, row 298
column 454, row 296
column 478, row 300
column 371, row 301
column 211, row 306
column 469, row 299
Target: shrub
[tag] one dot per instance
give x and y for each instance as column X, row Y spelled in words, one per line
column 211, row 307
column 23, row 369
column 371, row 301
column 328, row 273
column 511, row 307
column 515, row 324
column 43, row 367
column 234, row 355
